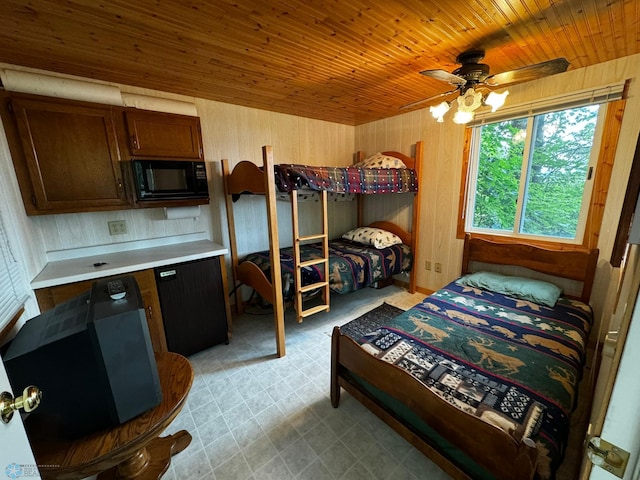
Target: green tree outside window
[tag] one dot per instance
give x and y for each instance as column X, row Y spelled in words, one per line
column 531, row 173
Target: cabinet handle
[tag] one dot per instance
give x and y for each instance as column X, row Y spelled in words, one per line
column 134, row 142
column 150, row 312
column 120, row 184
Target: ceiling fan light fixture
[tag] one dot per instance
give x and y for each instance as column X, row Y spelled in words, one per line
column 469, row 101
column 472, row 75
column 439, row 110
column 496, row 100
column 461, row 117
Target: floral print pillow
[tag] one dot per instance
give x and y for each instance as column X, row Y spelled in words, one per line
column 379, row 160
column 375, row 237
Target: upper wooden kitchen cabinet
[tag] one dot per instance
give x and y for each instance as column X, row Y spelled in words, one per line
column 163, row 135
column 65, row 154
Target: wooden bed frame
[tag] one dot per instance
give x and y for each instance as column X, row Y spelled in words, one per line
column 489, row 447
column 248, row 177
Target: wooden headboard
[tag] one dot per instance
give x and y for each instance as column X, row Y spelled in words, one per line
column 577, row 264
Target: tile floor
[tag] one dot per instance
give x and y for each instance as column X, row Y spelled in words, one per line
column 255, row 416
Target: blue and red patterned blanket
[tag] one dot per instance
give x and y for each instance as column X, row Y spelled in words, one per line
column 345, row 180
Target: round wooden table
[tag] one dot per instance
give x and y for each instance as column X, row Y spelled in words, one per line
column 131, row 450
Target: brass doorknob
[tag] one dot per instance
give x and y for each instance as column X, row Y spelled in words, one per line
column 29, row 401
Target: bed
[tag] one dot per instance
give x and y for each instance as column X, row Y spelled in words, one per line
column 352, row 265
column 271, row 180
column 481, row 382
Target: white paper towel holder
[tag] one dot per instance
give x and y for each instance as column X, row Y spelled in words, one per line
column 174, row 213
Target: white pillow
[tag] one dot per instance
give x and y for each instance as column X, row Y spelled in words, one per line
column 375, row 237
column 379, row 160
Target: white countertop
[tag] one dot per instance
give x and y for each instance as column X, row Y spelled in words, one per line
column 125, row 261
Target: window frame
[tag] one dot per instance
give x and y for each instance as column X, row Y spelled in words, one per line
column 608, row 142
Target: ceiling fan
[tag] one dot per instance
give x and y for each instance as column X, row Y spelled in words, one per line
column 472, row 74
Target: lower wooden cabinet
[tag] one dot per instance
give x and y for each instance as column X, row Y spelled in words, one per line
column 51, row 296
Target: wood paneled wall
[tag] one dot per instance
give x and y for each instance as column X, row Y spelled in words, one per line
column 238, row 133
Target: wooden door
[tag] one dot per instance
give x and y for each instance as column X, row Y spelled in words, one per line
column 71, row 153
column 163, row 135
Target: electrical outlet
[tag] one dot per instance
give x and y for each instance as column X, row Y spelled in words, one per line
column 117, row 227
column 438, row 267
column 427, row 265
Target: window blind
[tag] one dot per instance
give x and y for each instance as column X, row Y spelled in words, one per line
column 13, row 290
column 591, row 96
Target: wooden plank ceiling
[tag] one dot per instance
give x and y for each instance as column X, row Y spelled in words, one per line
column 346, row 61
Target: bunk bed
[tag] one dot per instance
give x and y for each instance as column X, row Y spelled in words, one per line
column 478, row 376
column 257, row 269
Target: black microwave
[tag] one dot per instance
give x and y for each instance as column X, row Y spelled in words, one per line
column 170, row 179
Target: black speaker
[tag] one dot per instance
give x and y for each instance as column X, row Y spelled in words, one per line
column 91, row 357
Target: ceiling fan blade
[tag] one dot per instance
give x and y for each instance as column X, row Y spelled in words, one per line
column 444, row 76
column 531, row 72
column 427, row 100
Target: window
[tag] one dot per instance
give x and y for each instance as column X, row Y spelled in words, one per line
column 13, row 292
column 526, row 171
column 531, row 175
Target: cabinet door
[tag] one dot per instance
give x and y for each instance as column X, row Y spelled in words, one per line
column 149, row 293
column 163, row 135
column 71, row 153
column 52, row 296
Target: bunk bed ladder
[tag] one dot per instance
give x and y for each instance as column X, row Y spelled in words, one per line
column 322, row 262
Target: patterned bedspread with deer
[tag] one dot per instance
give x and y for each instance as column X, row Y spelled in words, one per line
column 512, row 363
